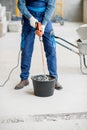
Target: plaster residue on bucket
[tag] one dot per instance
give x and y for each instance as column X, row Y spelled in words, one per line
column 42, row 78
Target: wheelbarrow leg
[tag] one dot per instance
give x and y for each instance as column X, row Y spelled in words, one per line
column 82, row 60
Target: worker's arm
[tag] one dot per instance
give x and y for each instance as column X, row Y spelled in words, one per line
column 23, row 9
column 49, row 11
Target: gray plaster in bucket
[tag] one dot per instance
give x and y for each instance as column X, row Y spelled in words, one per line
column 43, row 85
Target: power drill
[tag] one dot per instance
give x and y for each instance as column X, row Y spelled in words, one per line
column 39, row 33
column 39, row 30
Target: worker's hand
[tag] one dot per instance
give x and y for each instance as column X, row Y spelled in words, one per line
column 43, row 29
column 33, row 22
column 39, row 29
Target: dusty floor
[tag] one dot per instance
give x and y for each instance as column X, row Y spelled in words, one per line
column 23, row 110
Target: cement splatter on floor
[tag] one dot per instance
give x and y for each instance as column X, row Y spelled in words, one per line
column 43, row 117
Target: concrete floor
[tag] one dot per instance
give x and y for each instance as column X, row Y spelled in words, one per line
column 65, row 109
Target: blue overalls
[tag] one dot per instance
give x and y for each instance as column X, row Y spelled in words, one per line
column 37, row 9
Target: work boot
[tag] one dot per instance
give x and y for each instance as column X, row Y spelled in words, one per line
column 58, row 86
column 22, row 84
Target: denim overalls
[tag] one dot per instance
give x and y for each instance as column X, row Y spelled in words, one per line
column 37, row 9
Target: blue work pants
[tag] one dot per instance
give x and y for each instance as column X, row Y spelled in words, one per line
column 27, row 45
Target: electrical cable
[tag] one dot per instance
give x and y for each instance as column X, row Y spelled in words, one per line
column 12, row 70
column 42, row 58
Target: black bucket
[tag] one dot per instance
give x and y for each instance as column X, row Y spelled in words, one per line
column 43, row 88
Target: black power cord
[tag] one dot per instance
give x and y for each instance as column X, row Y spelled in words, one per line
column 12, row 70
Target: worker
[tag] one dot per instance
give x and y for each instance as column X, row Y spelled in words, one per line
column 34, row 11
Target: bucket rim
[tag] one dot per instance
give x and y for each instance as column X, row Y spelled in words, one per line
column 33, row 78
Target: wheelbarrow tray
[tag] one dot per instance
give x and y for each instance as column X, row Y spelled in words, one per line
column 82, row 52
column 82, row 47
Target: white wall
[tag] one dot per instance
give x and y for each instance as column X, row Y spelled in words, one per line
column 73, row 10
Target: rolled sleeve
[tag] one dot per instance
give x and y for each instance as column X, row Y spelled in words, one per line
column 49, row 11
column 22, row 7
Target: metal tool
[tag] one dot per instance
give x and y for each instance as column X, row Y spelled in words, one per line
column 39, row 33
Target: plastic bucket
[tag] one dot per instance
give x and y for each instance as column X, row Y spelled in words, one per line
column 43, row 88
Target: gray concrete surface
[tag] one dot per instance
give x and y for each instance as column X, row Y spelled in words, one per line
column 59, row 125
column 10, row 5
column 22, row 109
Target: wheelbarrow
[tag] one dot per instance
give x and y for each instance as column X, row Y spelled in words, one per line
column 81, row 51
